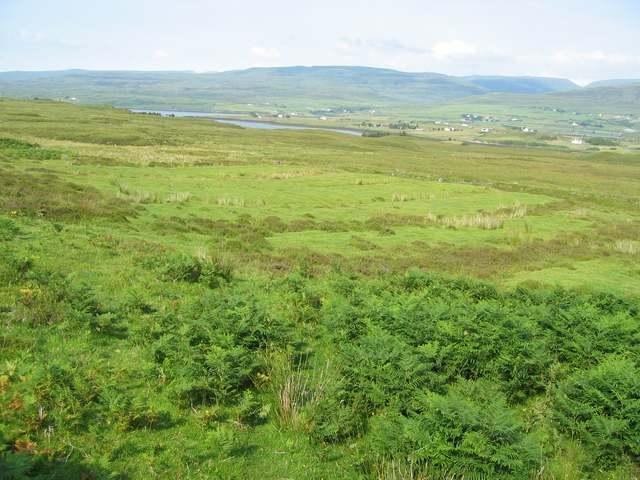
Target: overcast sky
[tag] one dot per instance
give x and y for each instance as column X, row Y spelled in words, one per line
column 579, row 39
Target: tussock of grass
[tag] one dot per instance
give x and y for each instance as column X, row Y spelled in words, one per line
column 231, row 202
column 421, row 196
column 398, row 469
column 296, row 386
column 628, row 247
column 136, row 196
column 291, row 174
column 362, row 243
column 401, row 197
column 516, row 211
column 143, row 196
column 179, row 197
column 580, row 212
column 484, row 221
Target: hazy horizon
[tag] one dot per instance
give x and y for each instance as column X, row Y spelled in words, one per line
column 582, row 41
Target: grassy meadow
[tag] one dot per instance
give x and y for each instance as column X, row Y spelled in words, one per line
column 185, row 299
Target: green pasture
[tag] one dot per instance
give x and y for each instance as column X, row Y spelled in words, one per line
column 184, row 299
column 194, row 185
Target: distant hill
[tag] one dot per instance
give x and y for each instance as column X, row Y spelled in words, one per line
column 317, row 88
column 522, row 84
column 607, row 99
column 615, row 83
column 293, row 87
column 610, row 99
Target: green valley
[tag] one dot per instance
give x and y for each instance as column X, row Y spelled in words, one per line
column 181, row 298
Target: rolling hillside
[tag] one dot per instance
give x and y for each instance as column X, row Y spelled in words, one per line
column 620, row 82
column 293, row 87
column 185, row 299
column 619, row 100
column 522, row 84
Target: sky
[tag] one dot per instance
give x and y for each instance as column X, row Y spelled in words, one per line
column 584, row 40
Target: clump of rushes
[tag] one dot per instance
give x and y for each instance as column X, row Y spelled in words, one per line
column 179, row 197
column 230, row 202
column 296, row 387
column 136, row 196
column 628, row 247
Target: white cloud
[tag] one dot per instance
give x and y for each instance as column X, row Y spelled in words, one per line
column 160, row 53
column 454, row 48
column 31, row 36
column 265, row 53
column 350, row 46
column 387, row 46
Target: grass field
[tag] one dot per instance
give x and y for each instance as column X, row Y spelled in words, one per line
column 185, row 299
column 369, row 203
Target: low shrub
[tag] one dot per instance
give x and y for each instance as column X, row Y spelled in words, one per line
column 469, row 432
column 41, row 306
column 46, row 195
column 374, row 133
column 602, row 141
column 335, row 419
column 209, row 272
column 601, row 407
column 14, row 268
column 17, row 149
column 216, row 351
column 8, row 229
column 380, row 370
column 204, row 365
column 128, row 413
